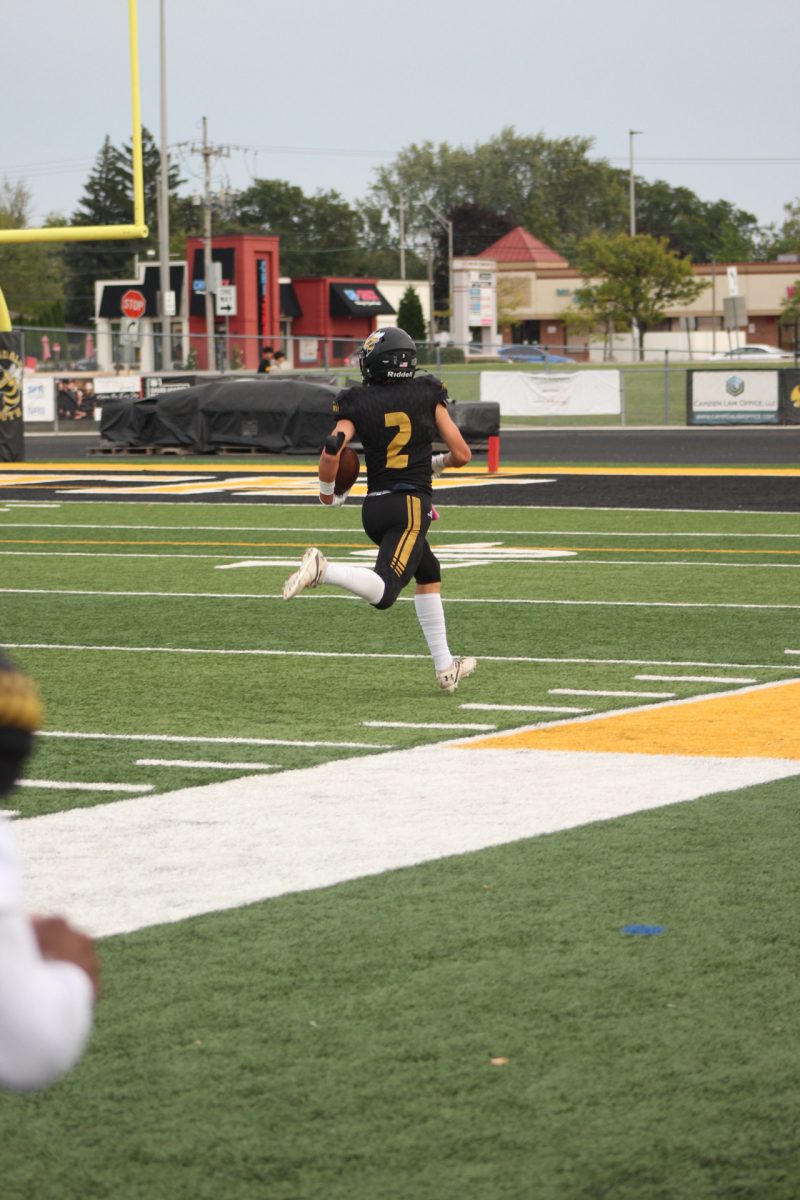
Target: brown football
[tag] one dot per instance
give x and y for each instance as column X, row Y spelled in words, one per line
column 349, row 466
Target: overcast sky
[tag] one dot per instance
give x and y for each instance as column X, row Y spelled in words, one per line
column 321, row 93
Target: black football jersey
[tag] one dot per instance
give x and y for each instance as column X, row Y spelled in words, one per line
column 395, row 423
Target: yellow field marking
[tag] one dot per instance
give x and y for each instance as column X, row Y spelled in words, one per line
column 299, row 468
column 754, row 723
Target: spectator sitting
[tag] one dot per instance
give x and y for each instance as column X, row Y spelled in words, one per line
column 265, row 366
column 67, row 400
column 279, row 362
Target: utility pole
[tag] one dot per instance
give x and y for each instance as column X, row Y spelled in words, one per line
column 631, row 182
column 402, row 238
column 432, row 319
column 166, row 308
column 448, row 225
column 636, row 348
column 208, row 152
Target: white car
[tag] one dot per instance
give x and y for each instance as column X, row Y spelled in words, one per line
column 755, row 352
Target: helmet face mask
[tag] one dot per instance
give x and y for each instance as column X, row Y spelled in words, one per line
column 388, row 354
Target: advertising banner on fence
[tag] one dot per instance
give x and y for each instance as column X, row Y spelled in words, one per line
column 12, row 441
column 38, row 398
column 790, row 395
column 115, row 387
column 732, row 398
column 553, row 394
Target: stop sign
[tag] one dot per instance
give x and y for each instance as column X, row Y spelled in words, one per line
column 133, row 304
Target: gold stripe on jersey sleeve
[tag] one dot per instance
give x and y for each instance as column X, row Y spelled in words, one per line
column 410, row 534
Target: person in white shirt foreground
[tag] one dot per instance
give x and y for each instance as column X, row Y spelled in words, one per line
column 48, row 971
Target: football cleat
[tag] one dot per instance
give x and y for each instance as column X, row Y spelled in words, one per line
column 459, row 669
column 308, row 574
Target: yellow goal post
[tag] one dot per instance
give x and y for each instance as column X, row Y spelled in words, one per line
column 93, row 233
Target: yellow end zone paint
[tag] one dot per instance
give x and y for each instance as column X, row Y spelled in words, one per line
column 757, row 722
column 299, row 468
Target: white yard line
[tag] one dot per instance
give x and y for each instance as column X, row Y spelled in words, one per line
column 527, row 533
column 125, row 498
column 552, row 562
column 519, row 658
column 598, row 692
column 211, row 741
column 60, row 785
column 422, row 725
column 205, row 765
column 695, row 678
column 407, row 599
column 550, row 708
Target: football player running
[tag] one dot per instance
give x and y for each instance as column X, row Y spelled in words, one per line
column 396, row 417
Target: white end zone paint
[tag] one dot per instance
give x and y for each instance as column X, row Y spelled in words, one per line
column 134, row 863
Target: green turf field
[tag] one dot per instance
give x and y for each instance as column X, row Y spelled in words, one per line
column 338, row 1042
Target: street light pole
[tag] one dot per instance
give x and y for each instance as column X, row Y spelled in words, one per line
column 631, row 182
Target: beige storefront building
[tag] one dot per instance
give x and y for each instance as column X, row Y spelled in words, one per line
column 535, row 287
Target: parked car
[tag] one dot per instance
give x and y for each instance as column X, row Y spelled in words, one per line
column 530, row 354
column 755, row 352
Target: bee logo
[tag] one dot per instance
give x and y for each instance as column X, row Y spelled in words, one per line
column 372, row 340
column 10, row 385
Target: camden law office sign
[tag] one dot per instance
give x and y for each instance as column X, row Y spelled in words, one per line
column 733, row 398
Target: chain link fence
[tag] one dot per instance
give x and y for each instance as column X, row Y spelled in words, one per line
column 652, row 393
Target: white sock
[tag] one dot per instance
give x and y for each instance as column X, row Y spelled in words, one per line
column 358, row 580
column 430, row 614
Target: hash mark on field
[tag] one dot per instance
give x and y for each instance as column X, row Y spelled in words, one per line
column 596, row 692
column 205, row 765
column 61, row 785
column 551, row 708
column 695, row 678
column 422, row 725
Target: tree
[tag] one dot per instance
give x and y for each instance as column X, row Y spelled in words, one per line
column 108, row 200
column 632, row 281
column 551, row 187
column 700, row 229
column 321, row 234
column 410, row 316
column 790, row 312
column 786, row 238
column 475, row 226
column 31, row 276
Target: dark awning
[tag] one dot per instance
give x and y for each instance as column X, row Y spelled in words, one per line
column 111, row 297
column 290, row 305
column 357, row 300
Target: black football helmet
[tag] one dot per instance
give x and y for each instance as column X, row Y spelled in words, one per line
column 388, row 354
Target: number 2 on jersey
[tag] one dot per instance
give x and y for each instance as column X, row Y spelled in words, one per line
column 394, row 451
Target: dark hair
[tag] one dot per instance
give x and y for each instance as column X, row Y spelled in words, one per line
column 267, row 350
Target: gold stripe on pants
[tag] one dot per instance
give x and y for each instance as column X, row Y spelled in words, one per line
column 409, row 537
